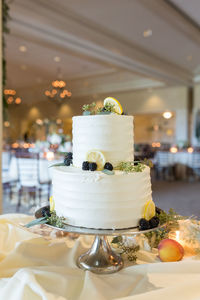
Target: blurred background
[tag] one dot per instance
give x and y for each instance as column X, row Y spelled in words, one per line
column 59, row 55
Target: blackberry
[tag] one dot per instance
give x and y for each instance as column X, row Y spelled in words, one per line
column 108, row 166
column 67, row 161
column 143, row 224
column 154, row 222
column 85, row 165
column 69, row 155
column 46, row 211
column 92, row 166
column 158, row 210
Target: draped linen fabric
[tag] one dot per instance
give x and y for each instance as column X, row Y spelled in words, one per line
column 35, row 267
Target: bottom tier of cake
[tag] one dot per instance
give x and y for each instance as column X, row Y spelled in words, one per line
column 97, row 200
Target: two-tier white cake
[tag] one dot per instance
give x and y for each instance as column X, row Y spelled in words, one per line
column 96, row 199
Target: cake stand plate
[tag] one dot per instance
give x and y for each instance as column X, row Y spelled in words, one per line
column 100, row 258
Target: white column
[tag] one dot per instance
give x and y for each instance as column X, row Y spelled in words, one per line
column 181, row 126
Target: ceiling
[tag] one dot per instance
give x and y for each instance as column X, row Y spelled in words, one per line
column 100, row 45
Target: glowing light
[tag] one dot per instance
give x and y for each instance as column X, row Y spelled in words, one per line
column 190, row 150
column 22, row 48
column 39, row 122
column 15, row 145
column 10, row 100
column 50, row 155
column 57, row 59
column 167, row 114
column 156, row 145
column 147, row 33
column 7, row 124
column 18, row 100
column 58, row 121
column 173, row 149
column 26, row 145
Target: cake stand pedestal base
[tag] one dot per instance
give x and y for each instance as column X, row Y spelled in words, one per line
column 100, row 258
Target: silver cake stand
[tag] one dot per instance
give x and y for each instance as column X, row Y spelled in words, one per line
column 100, row 258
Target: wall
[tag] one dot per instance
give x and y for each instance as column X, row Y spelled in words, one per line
column 157, row 101
column 134, row 102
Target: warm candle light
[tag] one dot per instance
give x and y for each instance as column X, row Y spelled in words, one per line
column 177, row 235
column 50, row 155
column 173, row 150
column 190, row 150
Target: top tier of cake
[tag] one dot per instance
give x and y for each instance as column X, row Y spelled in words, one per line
column 112, row 134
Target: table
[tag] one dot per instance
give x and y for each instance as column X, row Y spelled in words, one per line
column 33, row 268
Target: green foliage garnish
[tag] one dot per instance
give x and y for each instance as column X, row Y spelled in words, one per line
column 53, row 220
column 148, row 162
column 129, row 167
column 57, row 165
column 129, row 251
column 154, row 237
column 89, row 108
column 108, row 172
column 106, row 109
column 56, row 221
column 170, row 220
column 39, row 221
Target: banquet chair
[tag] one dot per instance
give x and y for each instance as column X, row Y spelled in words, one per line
column 8, row 181
column 195, row 165
column 6, row 157
column 29, row 177
column 164, row 165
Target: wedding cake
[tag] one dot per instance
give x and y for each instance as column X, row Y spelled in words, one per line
column 99, row 185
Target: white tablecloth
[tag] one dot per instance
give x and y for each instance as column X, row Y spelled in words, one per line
column 35, row 268
column 183, row 158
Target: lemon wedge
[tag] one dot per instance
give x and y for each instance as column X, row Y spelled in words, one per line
column 117, row 106
column 52, row 203
column 97, row 157
column 149, row 210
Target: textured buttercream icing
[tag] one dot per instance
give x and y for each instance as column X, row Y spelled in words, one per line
column 96, row 200
column 112, row 134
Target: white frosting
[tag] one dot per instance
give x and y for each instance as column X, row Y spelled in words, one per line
column 97, row 200
column 112, row 134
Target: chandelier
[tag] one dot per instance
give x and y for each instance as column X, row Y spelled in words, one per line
column 11, row 98
column 58, row 91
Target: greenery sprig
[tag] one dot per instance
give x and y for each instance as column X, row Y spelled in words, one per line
column 154, row 237
column 52, row 219
column 130, row 167
column 170, row 220
column 106, row 109
column 89, row 109
column 130, row 252
column 92, row 109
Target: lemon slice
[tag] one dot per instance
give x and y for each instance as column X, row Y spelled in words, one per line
column 97, row 157
column 117, row 106
column 149, row 210
column 52, row 203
